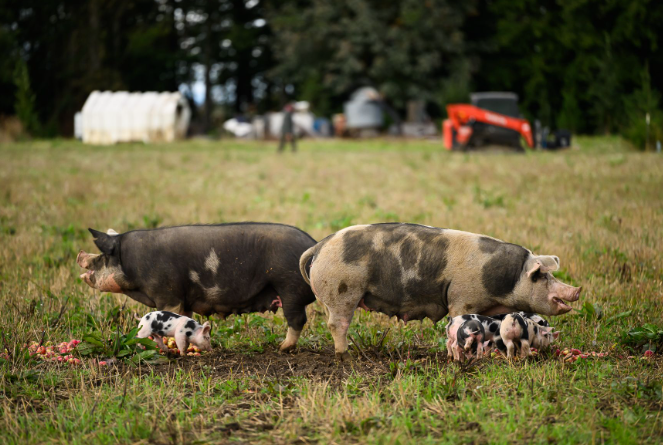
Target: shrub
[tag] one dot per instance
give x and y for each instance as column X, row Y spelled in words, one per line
column 646, row 337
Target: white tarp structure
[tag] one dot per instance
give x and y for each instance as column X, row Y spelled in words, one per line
column 270, row 124
column 111, row 117
column 363, row 109
column 302, row 120
column 239, row 129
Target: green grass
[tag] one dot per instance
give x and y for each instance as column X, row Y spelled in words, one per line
column 598, row 207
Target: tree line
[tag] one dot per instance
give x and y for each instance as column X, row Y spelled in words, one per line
column 591, row 66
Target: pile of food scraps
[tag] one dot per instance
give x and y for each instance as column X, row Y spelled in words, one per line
column 61, row 353
column 170, row 343
column 571, row 354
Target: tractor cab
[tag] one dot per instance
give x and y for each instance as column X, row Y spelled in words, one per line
column 491, row 119
column 502, row 103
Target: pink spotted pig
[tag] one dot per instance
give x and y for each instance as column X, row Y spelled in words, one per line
column 186, row 330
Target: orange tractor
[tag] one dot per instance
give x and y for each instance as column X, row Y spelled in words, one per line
column 494, row 119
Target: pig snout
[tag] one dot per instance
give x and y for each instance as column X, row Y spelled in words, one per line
column 84, row 259
column 561, row 293
column 566, row 292
column 204, row 345
column 105, row 282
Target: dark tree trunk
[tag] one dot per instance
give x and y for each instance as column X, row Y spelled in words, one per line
column 244, row 91
column 244, row 72
column 93, row 41
column 208, row 69
column 173, row 43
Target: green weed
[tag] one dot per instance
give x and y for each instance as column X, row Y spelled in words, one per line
column 646, row 337
column 122, row 346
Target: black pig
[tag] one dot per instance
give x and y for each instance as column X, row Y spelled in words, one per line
column 208, row 269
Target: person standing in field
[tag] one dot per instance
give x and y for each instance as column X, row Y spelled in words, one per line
column 288, row 129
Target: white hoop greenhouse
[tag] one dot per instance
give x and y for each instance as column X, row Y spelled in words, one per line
column 111, row 117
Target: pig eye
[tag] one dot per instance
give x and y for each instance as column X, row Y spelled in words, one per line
column 536, row 276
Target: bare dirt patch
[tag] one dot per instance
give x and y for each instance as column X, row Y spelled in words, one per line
column 320, row 365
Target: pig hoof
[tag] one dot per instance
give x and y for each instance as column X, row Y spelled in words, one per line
column 343, row 356
column 286, row 348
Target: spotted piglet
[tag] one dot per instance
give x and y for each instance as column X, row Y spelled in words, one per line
column 491, row 331
column 518, row 331
column 467, row 340
column 186, row 330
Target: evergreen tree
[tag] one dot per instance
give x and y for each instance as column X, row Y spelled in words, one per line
column 25, row 99
column 403, row 48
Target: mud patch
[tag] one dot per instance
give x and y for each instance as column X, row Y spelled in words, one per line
column 317, row 365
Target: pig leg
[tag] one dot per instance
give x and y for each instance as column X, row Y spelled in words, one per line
column 290, row 339
column 525, row 349
column 339, row 322
column 449, row 346
column 459, row 353
column 457, row 350
column 159, row 341
column 486, row 348
column 182, row 342
column 479, row 349
column 341, row 296
column 295, row 315
column 510, row 348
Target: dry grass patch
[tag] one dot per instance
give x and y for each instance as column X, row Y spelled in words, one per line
column 598, row 207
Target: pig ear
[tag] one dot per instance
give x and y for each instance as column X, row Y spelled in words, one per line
column 556, row 334
column 106, row 243
column 206, row 328
column 536, row 266
column 544, row 263
column 549, row 263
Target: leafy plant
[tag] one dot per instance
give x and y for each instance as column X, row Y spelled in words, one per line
column 634, row 387
column 646, row 337
column 590, row 311
column 404, row 367
column 122, row 346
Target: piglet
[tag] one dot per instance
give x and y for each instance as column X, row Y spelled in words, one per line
column 466, row 339
column 518, row 331
column 515, row 332
column 186, row 330
column 544, row 337
column 490, row 325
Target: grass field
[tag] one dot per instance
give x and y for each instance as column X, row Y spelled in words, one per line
column 599, row 207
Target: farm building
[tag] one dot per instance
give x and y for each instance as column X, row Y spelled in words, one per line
column 111, row 117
